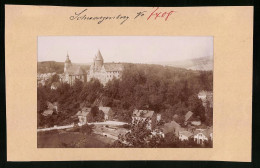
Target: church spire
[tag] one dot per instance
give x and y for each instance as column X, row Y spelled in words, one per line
column 68, row 58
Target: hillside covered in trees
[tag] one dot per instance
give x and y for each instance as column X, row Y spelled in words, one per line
column 166, row 90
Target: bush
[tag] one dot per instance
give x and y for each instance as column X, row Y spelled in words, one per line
column 86, row 129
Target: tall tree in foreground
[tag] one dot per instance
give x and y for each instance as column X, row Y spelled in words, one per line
column 139, row 136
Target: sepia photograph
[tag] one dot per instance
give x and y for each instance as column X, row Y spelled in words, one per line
column 125, row 92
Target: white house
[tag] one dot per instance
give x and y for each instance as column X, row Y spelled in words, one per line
column 203, row 135
column 185, row 135
column 82, row 115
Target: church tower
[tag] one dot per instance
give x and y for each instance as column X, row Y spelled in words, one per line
column 67, row 64
column 98, row 62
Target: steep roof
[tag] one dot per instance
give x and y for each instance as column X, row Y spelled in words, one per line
column 205, row 132
column 47, row 112
column 99, row 56
column 185, row 133
column 143, row 113
column 86, row 109
column 113, row 67
column 170, row 127
column 105, row 109
column 76, row 70
column 188, row 115
column 82, row 113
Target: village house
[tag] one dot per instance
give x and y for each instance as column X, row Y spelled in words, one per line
column 82, row 115
column 142, row 115
column 201, row 135
column 51, row 108
column 107, row 112
column 172, row 126
column 185, row 135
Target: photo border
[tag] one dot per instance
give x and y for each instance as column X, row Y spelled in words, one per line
column 256, row 92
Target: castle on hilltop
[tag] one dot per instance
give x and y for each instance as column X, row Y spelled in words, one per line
column 104, row 71
column 98, row 70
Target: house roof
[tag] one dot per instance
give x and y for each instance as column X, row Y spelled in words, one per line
column 76, row 70
column 83, row 112
column 47, row 112
column 170, row 127
column 51, row 106
column 185, row 133
column 113, row 67
column 105, row 109
column 143, row 113
column 188, row 115
column 205, row 132
column 86, row 109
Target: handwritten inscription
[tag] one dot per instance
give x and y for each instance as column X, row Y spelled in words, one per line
column 153, row 14
column 83, row 16
column 161, row 14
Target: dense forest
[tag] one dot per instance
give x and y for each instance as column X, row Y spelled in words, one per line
column 167, row 90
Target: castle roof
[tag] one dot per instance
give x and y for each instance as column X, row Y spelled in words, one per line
column 99, row 56
column 113, row 67
column 76, row 70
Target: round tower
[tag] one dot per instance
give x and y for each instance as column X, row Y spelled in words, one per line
column 98, row 61
column 67, row 64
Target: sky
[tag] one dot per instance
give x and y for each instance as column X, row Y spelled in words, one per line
column 132, row 49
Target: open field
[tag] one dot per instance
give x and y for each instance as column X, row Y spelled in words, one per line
column 63, row 139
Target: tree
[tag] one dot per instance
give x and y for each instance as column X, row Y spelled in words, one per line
column 195, row 105
column 86, row 129
column 52, row 79
column 139, row 136
column 95, row 115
